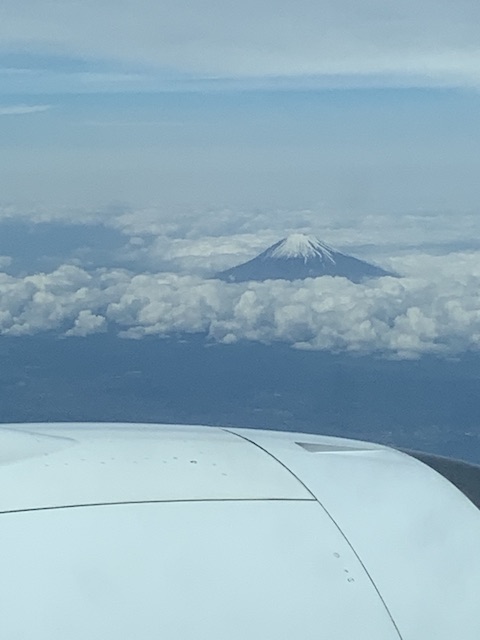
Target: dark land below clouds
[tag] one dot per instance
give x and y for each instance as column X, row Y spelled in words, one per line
column 430, row 404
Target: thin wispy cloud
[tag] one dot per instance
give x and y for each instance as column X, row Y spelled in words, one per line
column 430, row 42
column 23, row 109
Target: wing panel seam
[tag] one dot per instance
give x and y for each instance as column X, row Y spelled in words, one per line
column 335, row 523
column 132, row 502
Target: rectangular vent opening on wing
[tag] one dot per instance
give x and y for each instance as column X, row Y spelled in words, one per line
column 318, row 447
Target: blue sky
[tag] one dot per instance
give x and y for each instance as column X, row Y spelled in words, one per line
column 354, row 107
column 384, row 148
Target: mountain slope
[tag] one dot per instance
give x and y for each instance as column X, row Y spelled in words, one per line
column 302, row 256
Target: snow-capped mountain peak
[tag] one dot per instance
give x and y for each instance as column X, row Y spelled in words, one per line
column 300, row 245
column 300, row 256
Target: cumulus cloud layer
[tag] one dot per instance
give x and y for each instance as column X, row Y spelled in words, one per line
column 435, row 308
column 164, row 286
column 436, row 41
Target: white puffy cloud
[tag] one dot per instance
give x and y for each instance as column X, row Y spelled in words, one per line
column 87, row 323
column 434, row 309
column 436, row 41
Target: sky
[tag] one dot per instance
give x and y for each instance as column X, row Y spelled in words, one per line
column 360, row 106
column 146, row 145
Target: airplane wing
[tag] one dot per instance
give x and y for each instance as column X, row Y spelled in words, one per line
column 113, row 531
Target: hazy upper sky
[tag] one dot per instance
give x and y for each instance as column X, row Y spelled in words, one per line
column 356, row 106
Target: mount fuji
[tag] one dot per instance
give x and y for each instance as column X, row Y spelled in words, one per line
column 301, row 256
